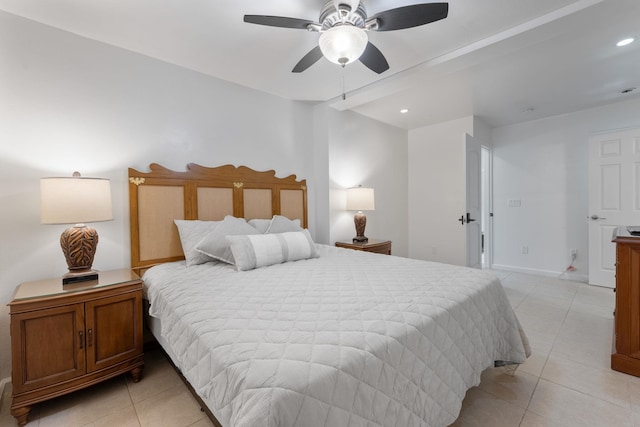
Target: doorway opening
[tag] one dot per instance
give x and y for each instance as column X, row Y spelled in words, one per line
column 486, row 200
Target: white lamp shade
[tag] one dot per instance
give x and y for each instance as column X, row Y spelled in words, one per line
column 343, row 44
column 75, row 200
column 360, row 199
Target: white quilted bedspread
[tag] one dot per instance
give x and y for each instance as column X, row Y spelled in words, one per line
column 347, row 339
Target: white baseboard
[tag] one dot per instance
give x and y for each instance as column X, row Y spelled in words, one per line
column 576, row 277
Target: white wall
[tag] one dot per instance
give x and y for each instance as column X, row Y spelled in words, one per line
column 365, row 152
column 437, row 191
column 69, row 103
column 544, row 164
column 320, row 157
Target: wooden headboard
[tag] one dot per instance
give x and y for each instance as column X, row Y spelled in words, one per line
column 158, row 197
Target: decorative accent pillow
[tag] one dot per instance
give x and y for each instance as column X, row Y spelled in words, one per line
column 262, row 225
column 215, row 245
column 282, row 224
column 261, row 250
column 191, row 232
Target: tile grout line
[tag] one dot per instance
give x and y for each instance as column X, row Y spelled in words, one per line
column 539, row 377
column 562, row 385
column 135, row 410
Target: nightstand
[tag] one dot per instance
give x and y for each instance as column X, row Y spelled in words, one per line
column 66, row 338
column 373, row 245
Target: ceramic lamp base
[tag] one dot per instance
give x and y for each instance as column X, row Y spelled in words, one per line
column 360, row 221
column 79, row 245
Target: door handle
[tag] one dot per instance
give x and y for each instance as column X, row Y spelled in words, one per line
column 461, row 219
column 89, row 338
column 81, row 339
column 469, row 218
column 595, row 217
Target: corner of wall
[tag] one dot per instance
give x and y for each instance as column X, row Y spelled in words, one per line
column 321, row 174
column 481, row 131
column 371, row 153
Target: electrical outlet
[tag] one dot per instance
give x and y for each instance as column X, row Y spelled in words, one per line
column 573, row 253
column 525, row 250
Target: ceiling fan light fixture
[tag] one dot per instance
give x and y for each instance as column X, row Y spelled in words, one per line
column 343, row 44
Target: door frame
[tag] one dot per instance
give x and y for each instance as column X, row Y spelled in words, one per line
column 473, row 202
column 487, row 204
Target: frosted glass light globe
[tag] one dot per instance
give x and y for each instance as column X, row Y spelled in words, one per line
column 343, row 44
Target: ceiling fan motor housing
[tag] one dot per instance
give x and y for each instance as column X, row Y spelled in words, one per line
column 330, row 16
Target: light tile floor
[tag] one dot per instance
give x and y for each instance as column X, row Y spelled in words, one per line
column 566, row 382
column 160, row 399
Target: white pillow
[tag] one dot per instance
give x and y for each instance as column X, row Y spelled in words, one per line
column 214, row 243
column 282, row 224
column 191, row 232
column 262, row 225
column 261, row 250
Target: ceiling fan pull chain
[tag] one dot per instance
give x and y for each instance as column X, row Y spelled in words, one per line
column 344, row 95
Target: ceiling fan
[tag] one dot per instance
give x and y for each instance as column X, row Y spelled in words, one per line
column 343, row 27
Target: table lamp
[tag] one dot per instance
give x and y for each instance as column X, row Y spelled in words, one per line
column 360, row 199
column 76, row 200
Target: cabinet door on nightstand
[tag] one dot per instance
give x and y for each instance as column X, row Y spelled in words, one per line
column 633, row 302
column 114, row 330
column 48, row 346
column 627, row 314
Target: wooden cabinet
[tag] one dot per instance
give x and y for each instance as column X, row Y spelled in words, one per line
column 373, row 245
column 626, row 352
column 65, row 338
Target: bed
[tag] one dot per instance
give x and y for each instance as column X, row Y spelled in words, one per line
column 334, row 338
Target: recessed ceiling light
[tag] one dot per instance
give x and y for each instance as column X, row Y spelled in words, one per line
column 404, row 111
column 625, row 42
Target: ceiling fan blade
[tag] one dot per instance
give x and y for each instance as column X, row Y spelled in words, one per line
column 373, row 59
column 308, row 60
column 411, row 16
column 278, row 21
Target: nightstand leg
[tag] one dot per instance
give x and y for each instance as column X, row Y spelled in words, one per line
column 21, row 414
column 136, row 374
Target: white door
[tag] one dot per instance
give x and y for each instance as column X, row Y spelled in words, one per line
column 614, row 197
column 473, row 214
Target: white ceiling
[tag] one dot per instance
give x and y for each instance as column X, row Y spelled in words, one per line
column 505, row 61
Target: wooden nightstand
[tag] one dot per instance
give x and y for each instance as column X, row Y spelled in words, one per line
column 626, row 348
column 373, row 245
column 67, row 338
